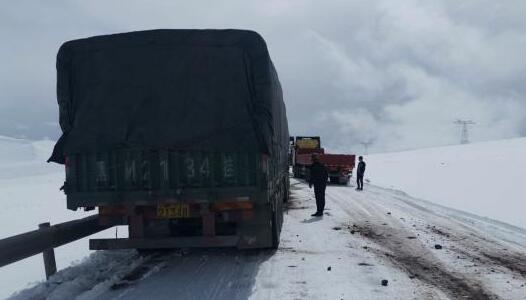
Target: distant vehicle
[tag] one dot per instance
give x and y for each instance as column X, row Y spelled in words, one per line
column 339, row 166
column 180, row 134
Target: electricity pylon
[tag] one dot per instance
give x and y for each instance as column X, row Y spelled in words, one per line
column 366, row 146
column 464, row 134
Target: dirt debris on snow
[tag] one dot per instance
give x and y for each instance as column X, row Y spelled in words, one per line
column 513, row 262
column 365, row 264
column 423, row 266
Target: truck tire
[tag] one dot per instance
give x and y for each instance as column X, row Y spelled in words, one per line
column 334, row 180
column 306, row 171
column 286, row 190
column 276, row 230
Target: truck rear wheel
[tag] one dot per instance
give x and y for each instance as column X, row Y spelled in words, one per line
column 277, row 215
column 294, row 172
column 275, row 231
column 286, row 189
column 334, row 180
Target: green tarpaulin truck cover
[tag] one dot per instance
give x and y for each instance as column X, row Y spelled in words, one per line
column 214, row 90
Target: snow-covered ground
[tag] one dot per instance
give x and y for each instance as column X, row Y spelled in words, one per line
column 363, row 238
column 487, row 179
column 30, row 195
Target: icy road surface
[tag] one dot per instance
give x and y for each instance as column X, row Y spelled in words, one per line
column 363, row 238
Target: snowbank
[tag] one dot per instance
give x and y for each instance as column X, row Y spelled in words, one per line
column 487, row 179
column 30, row 195
column 15, row 150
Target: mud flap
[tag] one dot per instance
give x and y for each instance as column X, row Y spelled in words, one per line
column 258, row 232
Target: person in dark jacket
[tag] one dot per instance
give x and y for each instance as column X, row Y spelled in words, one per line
column 318, row 178
column 359, row 174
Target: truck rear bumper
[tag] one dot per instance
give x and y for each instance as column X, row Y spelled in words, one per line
column 164, row 243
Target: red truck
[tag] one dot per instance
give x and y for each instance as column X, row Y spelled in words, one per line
column 339, row 166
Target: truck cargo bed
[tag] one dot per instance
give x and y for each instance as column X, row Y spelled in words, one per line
column 146, row 176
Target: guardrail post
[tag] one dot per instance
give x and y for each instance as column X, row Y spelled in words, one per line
column 50, row 264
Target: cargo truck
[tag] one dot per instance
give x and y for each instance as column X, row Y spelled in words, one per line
column 181, row 135
column 339, row 166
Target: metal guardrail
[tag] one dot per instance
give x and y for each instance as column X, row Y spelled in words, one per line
column 43, row 240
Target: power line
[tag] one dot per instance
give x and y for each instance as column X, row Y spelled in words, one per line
column 366, row 146
column 464, row 134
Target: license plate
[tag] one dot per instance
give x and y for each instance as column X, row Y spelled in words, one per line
column 176, row 210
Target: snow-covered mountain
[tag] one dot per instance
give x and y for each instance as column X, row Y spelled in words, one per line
column 487, row 179
column 12, row 149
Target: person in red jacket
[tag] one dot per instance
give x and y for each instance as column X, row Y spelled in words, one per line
column 318, row 177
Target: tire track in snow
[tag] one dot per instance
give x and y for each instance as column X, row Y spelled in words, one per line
column 198, row 274
column 410, row 255
column 476, row 244
column 421, row 265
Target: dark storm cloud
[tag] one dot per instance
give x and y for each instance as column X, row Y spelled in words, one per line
column 396, row 72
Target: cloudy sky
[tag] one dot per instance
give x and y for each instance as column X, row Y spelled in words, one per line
column 397, row 73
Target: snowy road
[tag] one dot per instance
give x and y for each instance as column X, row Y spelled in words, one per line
column 363, row 238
